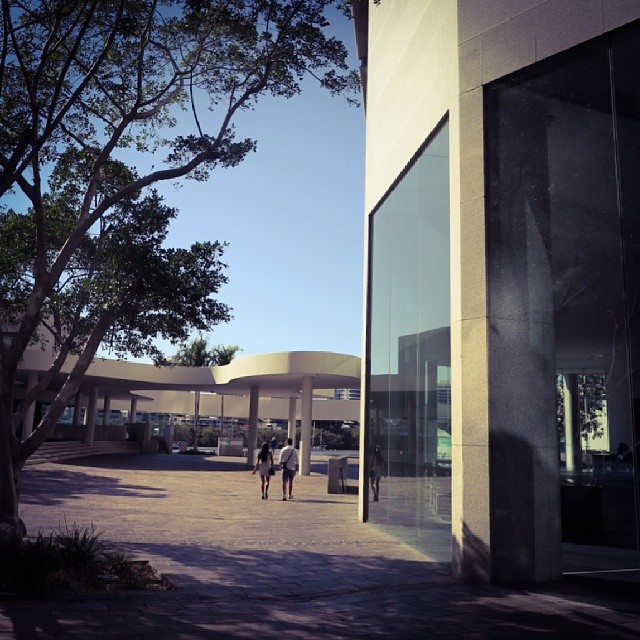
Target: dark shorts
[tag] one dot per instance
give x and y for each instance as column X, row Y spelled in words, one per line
column 288, row 474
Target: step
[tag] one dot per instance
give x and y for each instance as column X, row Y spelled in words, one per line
column 65, row 450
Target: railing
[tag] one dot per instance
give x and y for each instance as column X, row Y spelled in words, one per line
column 438, row 496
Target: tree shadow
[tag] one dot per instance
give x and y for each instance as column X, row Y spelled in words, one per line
column 236, row 592
column 310, row 594
column 159, row 462
column 53, row 487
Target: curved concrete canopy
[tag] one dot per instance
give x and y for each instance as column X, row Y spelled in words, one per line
column 274, row 375
column 277, row 375
column 280, row 375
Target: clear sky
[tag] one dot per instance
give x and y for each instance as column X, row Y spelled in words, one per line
column 292, row 214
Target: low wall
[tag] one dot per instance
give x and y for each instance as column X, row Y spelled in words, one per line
column 231, row 447
column 68, row 432
column 77, row 432
column 110, row 432
column 141, row 432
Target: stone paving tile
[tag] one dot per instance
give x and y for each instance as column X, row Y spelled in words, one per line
column 201, row 521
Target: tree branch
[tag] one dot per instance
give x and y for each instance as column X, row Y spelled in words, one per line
column 69, row 388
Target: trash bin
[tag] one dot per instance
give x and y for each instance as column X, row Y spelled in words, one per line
column 337, row 474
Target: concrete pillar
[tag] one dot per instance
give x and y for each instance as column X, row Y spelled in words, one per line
column 618, row 401
column 430, row 456
column 291, row 432
column 133, row 411
column 77, row 408
column 90, row 418
column 106, row 409
column 305, row 429
column 221, row 418
column 27, row 425
column 505, row 483
column 571, row 420
column 196, row 419
column 524, row 474
column 254, row 396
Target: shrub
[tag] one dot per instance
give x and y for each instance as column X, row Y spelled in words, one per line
column 74, row 559
column 27, row 571
column 80, row 548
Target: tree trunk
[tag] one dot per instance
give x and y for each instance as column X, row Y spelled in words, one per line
column 13, row 453
column 11, row 527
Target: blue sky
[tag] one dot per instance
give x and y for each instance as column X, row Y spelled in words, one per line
column 292, row 214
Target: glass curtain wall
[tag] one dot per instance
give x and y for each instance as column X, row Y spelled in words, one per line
column 408, row 381
column 563, row 155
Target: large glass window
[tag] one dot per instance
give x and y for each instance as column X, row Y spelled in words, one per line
column 563, row 154
column 409, row 354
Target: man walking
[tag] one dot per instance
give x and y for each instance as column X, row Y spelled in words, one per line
column 289, row 464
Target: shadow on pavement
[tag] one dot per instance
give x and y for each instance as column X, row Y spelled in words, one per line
column 54, row 487
column 326, row 590
column 325, row 596
column 160, row 462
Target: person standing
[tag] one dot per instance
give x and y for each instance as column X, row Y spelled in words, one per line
column 377, row 470
column 274, row 445
column 265, row 467
column 289, row 464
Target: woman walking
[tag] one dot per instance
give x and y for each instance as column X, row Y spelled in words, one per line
column 378, row 469
column 265, row 467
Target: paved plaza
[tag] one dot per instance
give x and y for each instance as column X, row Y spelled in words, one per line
column 248, row 568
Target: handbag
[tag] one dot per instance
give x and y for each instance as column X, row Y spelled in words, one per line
column 272, row 471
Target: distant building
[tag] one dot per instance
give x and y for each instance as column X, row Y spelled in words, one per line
column 346, row 394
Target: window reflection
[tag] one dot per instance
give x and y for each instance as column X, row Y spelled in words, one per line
column 564, row 258
column 409, row 382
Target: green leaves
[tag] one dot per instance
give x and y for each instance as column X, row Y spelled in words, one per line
column 222, row 153
column 197, row 353
column 107, row 74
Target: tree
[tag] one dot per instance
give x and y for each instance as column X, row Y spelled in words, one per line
column 196, row 354
column 84, row 85
column 224, row 354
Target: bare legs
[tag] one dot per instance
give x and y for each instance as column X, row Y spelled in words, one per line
column 375, row 485
column 265, row 486
column 287, row 481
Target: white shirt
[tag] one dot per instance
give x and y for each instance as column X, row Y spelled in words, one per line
column 292, row 462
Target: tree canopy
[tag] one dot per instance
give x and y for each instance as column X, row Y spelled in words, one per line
column 197, row 353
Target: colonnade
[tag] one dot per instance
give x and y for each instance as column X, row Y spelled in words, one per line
column 90, row 415
column 254, row 399
column 305, row 426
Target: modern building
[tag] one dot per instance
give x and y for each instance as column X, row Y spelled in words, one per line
column 503, row 281
column 346, row 394
column 292, row 386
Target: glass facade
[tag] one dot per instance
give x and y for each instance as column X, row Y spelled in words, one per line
column 408, row 354
column 562, row 143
